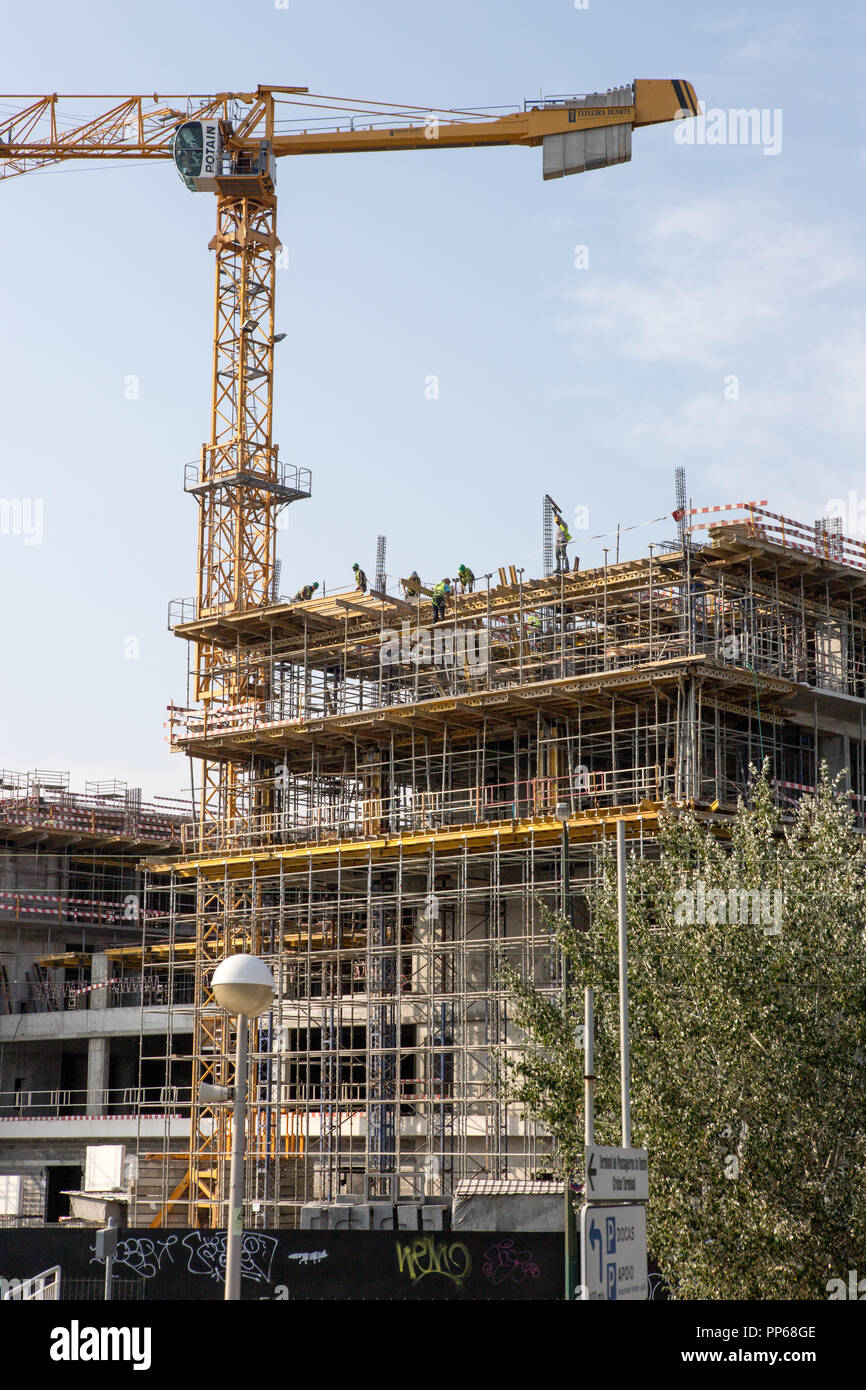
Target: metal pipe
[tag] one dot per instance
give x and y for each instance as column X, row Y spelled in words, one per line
column 624, row 1061
column 589, row 1066
column 235, row 1215
column 568, row 1211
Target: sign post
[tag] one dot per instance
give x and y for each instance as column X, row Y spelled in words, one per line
column 613, row 1250
column 106, row 1246
column 616, row 1175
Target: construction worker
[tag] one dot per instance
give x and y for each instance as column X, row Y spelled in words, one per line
column 306, row 593
column 441, row 592
column 534, row 631
column 360, row 579
column 563, row 536
column 330, row 693
column 412, row 585
column 467, row 579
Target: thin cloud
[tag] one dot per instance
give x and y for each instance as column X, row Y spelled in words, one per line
column 717, row 279
column 755, row 319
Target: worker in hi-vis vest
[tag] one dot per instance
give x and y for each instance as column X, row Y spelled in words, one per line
column 441, row 591
column 563, row 536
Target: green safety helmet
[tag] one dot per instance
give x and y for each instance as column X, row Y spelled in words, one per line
column 316, row 585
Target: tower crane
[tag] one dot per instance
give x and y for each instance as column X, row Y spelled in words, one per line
column 228, row 145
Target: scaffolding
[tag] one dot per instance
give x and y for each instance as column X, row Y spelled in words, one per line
column 69, row 865
column 391, row 834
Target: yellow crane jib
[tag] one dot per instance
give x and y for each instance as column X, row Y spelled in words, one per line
column 577, row 133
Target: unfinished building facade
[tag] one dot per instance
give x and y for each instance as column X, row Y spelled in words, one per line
column 382, row 818
column 82, row 1015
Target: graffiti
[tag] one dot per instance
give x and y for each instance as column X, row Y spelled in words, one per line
column 502, row 1263
column 207, row 1255
column 423, row 1256
column 142, row 1254
column 302, row 1266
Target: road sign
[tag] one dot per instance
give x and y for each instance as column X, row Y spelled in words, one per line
column 618, row 1175
column 613, row 1253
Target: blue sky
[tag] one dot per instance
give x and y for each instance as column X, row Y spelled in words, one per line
column 706, row 263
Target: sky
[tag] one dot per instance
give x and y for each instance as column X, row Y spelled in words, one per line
column 701, row 306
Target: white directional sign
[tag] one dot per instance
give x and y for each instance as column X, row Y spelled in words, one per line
column 613, row 1253
column 618, row 1175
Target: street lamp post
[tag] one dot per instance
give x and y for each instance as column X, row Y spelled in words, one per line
column 562, row 813
column 244, row 986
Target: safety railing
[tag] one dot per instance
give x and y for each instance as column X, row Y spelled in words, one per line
column 618, row 96
column 62, row 1103
column 399, row 120
column 61, row 907
column 815, row 540
column 287, row 476
column 583, row 789
column 789, row 795
column 40, row 1288
column 182, row 610
column 148, row 990
column 401, row 1090
column 67, row 811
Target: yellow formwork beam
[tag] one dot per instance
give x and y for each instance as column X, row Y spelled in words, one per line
column 511, row 834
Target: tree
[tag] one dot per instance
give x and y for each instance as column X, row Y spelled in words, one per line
column 747, row 980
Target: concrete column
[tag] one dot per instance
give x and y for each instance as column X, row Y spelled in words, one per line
column 835, row 751
column 98, row 1048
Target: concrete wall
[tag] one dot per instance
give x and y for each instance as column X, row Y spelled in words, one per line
column 35, row 873
column 508, row 1213
column 37, row 1064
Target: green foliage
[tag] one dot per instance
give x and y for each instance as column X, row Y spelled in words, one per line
column 747, row 1037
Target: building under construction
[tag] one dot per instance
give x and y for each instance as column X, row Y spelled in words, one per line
column 392, row 796
column 384, row 786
